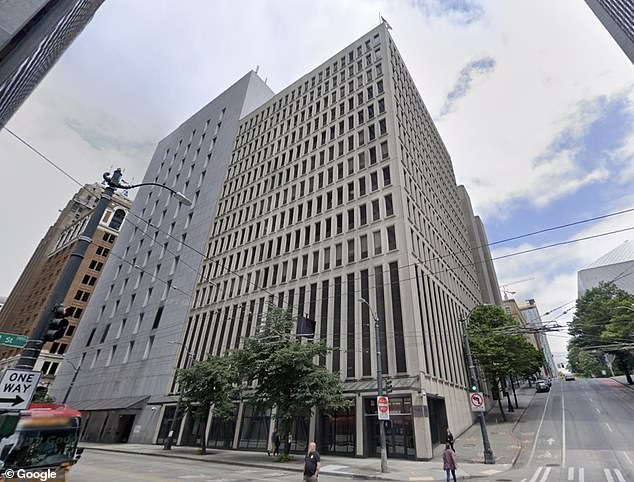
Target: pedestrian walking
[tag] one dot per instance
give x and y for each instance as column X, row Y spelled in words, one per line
column 450, row 439
column 276, row 443
column 289, row 441
column 312, row 464
column 449, row 463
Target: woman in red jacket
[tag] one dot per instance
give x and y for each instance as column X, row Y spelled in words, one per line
column 449, row 462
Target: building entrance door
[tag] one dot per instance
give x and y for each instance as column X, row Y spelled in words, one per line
column 437, row 419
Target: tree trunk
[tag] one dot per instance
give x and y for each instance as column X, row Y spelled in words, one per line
column 203, row 438
column 499, row 397
column 514, row 394
column 626, row 368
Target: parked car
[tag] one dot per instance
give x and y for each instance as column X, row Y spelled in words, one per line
column 542, row 386
column 569, row 378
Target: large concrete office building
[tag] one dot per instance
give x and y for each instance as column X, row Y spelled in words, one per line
column 33, row 35
column 616, row 266
column 337, row 188
column 617, row 16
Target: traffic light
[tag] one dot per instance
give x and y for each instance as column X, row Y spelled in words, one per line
column 57, row 326
column 387, row 386
column 473, row 387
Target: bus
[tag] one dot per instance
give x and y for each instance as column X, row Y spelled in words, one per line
column 38, row 441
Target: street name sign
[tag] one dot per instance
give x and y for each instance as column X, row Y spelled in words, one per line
column 383, row 407
column 17, row 388
column 15, row 341
column 477, row 401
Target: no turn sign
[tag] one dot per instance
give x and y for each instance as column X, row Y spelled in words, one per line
column 383, row 407
column 477, row 401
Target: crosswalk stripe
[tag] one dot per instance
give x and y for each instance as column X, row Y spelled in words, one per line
column 627, row 457
column 582, row 474
column 536, row 474
column 546, row 474
column 571, row 473
column 608, row 475
column 619, row 475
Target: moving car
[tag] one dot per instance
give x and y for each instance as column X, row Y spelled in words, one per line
column 569, row 378
column 542, row 386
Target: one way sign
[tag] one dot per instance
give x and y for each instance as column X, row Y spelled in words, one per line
column 17, row 388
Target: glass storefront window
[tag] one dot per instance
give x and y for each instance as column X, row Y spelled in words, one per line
column 255, row 428
column 339, row 432
column 399, row 430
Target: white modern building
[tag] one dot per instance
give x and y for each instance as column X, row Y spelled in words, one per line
column 616, row 266
column 337, row 188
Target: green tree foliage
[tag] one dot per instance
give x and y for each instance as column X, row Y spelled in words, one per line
column 498, row 350
column 283, row 369
column 209, row 383
column 603, row 321
column 586, row 363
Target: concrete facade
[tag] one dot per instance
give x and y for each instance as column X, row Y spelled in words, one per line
column 616, row 266
column 33, row 35
column 617, row 16
column 338, row 187
column 141, row 304
column 531, row 313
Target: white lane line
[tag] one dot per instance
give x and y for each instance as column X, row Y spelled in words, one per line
column 590, row 399
column 536, row 474
column 609, row 428
column 546, row 474
column 539, row 429
column 571, row 473
column 628, row 458
column 582, row 474
column 608, row 475
column 598, row 411
column 563, row 429
column 619, row 475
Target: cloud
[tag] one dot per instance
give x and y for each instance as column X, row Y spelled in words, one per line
column 463, row 12
column 469, row 74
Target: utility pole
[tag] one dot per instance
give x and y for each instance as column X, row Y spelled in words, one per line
column 33, row 347
column 72, row 382
column 488, row 452
column 379, row 383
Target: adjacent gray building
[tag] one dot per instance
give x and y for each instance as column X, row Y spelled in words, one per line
column 33, row 35
column 141, row 302
column 337, row 188
column 617, row 16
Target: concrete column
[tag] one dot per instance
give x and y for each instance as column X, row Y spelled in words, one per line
column 360, row 426
column 236, row 435
column 182, row 427
column 422, row 433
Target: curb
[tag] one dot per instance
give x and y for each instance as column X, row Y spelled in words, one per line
column 259, row 466
column 519, row 452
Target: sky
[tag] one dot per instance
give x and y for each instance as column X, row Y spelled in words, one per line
column 535, row 106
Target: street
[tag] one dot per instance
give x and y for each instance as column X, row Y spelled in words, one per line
column 584, row 432
column 99, row 466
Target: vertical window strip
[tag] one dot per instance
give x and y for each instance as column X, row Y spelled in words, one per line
column 397, row 314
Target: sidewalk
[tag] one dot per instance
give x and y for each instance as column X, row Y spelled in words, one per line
column 468, row 447
column 622, row 380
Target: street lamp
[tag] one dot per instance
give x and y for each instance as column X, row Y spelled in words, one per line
column 488, row 452
column 72, row 382
column 169, row 440
column 379, row 381
column 33, row 347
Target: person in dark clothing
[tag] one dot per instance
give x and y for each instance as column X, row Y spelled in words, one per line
column 276, row 443
column 312, row 464
column 450, row 439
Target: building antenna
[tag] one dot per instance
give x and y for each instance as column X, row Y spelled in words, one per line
column 257, row 69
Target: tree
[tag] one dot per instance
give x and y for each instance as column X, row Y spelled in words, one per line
column 604, row 321
column 209, row 383
column 498, row 351
column 282, row 367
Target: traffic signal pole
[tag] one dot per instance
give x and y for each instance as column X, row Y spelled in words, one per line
column 33, row 347
column 488, row 452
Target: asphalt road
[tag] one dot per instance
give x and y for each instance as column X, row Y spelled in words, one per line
column 107, row 466
column 581, row 431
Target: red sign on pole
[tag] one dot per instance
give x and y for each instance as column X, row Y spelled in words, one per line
column 383, row 407
column 477, row 401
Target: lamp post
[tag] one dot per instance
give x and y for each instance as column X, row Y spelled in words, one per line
column 72, row 382
column 489, row 458
column 379, row 381
column 33, row 347
column 169, row 440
